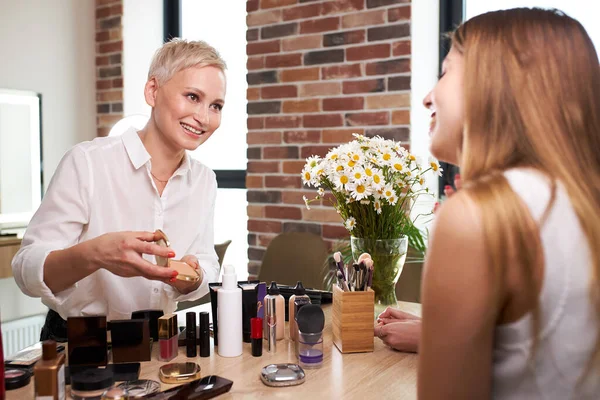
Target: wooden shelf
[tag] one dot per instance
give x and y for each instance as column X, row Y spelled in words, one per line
column 8, row 248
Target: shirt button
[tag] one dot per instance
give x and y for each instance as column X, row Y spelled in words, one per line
column 155, row 290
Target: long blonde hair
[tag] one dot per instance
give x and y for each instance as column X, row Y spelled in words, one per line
column 532, row 99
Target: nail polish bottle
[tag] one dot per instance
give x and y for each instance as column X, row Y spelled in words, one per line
column 190, row 329
column 299, row 291
column 49, row 373
column 167, row 337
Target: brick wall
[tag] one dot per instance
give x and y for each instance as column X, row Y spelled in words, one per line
column 317, row 72
column 109, row 60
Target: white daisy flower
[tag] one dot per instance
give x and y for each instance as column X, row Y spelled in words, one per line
column 435, row 167
column 388, row 191
column 350, row 223
column 313, row 161
column 377, row 206
column 321, row 192
column 358, row 175
column 377, row 179
column 359, row 191
column 306, row 202
column 307, row 175
column 397, row 165
column 341, row 180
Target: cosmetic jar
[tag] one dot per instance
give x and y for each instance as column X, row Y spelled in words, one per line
column 91, row 384
column 115, row 393
column 16, row 378
column 310, row 349
column 179, row 372
column 140, row 388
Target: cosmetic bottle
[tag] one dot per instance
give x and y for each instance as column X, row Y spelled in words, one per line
column 190, row 328
column 204, row 335
column 270, row 324
column 49, row 373
column 299, row 292
column 167, row 337
column 274, row 293
column 256, row 336
column 229, row 310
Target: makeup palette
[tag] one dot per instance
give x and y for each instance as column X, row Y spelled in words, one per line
column 185, row 271
column 16, row 378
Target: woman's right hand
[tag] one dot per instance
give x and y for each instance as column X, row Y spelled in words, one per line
column 394, row 315
column 121, row 253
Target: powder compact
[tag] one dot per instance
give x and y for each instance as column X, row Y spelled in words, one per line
column 16, row 378
column 140, row 388
column 282, row 375
column 179, row 372
column 186, row 272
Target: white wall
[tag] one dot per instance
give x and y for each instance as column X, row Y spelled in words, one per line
column 49, row 47
column 142, row 36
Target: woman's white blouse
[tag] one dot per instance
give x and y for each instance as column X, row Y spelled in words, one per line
column 105, row 186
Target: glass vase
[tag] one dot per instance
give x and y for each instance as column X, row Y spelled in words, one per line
column 388, row 257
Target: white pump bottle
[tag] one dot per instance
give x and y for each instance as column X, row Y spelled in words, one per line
column 229, row 315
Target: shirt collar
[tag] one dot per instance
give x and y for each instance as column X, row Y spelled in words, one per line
column 138, row 155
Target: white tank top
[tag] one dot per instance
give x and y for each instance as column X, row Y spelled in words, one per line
column 568, row 325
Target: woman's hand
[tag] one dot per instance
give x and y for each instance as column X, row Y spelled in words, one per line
column 399, row 330
column 394, row 315
column 402, row 335
column 121, row 254
column 185, row 287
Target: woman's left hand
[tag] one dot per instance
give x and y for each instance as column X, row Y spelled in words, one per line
column 185, row 287
column 402, row 335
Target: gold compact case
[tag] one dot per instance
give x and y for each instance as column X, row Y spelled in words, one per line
column 179, row 372
column 185, row 271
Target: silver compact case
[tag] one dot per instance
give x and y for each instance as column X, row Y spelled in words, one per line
column 282, row 375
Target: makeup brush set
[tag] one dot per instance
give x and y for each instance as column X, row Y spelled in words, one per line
column 355, row 277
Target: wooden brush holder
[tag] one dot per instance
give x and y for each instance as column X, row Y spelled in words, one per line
column 352, row 320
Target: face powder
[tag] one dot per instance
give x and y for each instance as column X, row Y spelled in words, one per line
column 91, row 384
column 16, row 378
column 140, row 388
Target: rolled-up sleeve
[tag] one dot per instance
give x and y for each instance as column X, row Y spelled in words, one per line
column 203, row 248
column 56, row 225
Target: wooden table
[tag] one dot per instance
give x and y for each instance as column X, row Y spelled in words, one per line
column 382, row 374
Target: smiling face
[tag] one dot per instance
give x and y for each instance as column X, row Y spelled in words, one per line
column 186, row 109
column 446, row 103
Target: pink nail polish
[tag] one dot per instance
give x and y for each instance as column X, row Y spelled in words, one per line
column 447, row 187
column 171, row 254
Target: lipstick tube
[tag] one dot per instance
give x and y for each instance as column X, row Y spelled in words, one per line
column 167, row 337
column 204, row 335
column 256, row 335
column 190, row 331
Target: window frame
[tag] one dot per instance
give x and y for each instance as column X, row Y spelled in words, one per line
column 172, row 28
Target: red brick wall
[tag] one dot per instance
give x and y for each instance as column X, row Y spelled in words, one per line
column 109, row 60
column 317, row 72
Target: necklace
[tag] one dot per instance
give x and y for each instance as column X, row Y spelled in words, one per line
column 161, row 181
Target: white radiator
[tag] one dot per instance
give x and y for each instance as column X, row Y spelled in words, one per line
column 20, row 333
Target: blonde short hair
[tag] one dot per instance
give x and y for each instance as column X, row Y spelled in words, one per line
column 179, row 54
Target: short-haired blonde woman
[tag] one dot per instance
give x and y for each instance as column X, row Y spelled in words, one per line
column 511, row 289
column 89, row 248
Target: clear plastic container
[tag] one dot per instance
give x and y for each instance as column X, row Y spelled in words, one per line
column 309, row 348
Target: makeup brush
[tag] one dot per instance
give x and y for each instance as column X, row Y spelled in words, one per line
column 337, row 256
column 342, row 282
column 356, row 276
column 362, row 283
column 370, row 273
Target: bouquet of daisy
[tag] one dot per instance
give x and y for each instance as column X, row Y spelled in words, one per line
column 374, row 182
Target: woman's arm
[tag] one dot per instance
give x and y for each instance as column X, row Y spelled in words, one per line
column 51, row 261
column 460, row 307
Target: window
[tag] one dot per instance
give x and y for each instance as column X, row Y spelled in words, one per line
column 225, row 152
